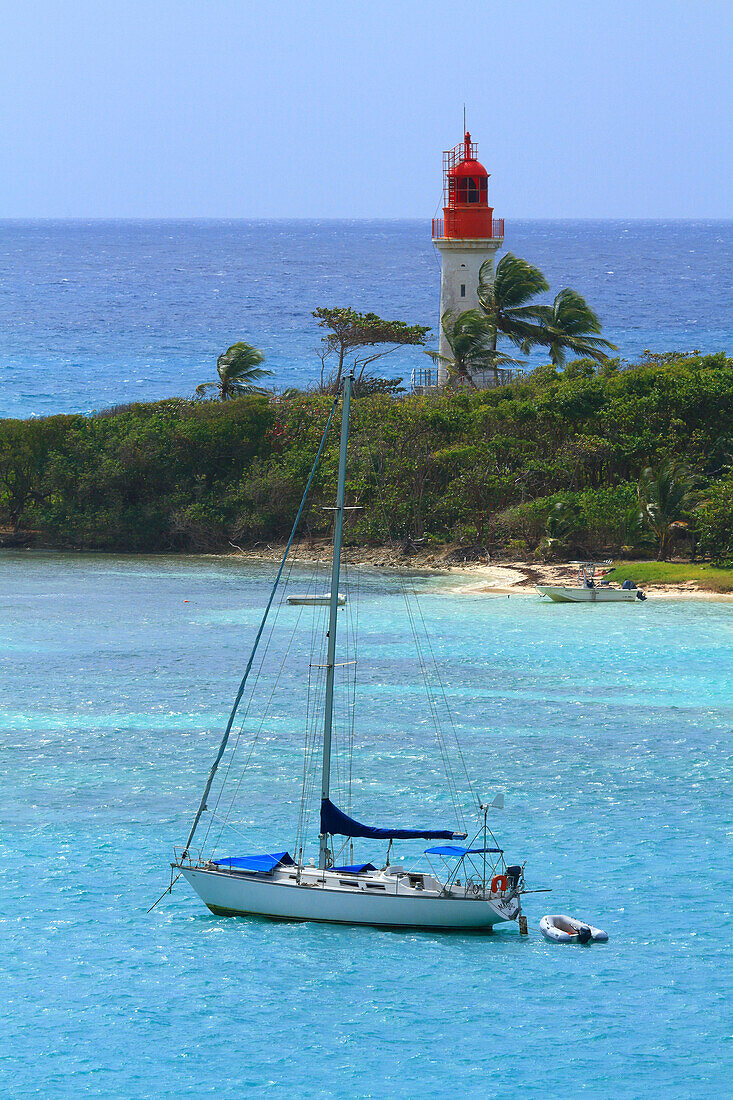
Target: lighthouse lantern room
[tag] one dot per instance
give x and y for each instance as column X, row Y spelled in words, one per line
column 466, row 236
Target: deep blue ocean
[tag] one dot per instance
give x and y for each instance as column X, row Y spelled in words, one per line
column 608, row 728
column 94, row 314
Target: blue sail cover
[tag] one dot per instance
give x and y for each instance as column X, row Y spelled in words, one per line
column 267, row 862
column 334, row 820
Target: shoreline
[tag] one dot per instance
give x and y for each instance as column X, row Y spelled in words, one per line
column 506, row 578
column 472, row 578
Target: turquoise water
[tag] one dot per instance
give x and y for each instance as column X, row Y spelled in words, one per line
column 608, row 729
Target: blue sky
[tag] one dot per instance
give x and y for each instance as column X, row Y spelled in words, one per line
column 229, row 108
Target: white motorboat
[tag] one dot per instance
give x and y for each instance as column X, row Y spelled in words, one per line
column 589, row 590
column 472, row 889
column 562, row 929
column 315, row 601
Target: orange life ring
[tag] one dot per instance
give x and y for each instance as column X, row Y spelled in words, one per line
column 499, row 883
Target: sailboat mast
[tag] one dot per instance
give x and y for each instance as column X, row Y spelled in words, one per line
column 335, row 575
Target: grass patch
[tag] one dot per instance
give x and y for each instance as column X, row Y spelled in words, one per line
column 672, row 572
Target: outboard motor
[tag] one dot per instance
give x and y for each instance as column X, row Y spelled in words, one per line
column 513, row 875
column 584, row 934
column 640, row 595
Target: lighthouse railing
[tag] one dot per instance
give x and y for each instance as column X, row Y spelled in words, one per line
column 497, row 229
column 426, row 380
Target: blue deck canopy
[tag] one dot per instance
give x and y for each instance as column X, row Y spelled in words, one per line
column 264, row 863
column 336, row 821
column 457, row 851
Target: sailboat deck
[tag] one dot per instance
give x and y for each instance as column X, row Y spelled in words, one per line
column 391, row 880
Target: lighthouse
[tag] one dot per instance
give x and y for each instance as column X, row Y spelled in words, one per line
column 466, row 236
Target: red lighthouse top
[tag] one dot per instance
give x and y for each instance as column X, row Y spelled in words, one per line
column 466, row 209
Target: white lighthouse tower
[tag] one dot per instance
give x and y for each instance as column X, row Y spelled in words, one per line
column 466, row 236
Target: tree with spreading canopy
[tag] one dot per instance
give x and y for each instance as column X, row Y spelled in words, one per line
column 349, row 330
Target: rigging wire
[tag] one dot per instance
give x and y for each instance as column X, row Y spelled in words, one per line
column 444, row 696
column 440, row 737
column 315, row 697
column 263, row 655
column 240, row 692
column 265, row 713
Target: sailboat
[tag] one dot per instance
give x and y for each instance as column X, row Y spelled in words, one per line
column 471, row 888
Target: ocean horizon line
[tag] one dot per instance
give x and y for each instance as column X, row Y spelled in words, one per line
column 309, row 220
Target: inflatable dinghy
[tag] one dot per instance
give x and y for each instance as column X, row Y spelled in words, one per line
column 562, row 929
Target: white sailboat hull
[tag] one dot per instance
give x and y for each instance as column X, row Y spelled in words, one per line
column 238, row 895
column 568, row 594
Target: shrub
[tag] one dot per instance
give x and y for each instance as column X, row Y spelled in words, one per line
column 489, row 467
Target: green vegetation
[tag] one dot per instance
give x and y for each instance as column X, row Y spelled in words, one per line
column 506, row 311
column 645, row 573
column 472, row 342
column 504, row 296
column 569, row 324
column 667, row 499
column 239, row 370
column 549, row 466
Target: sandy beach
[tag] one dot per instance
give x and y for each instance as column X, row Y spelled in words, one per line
column 510, row 578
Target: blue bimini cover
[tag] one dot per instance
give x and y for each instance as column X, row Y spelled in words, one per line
column 456, row 850
column 265, row 863
column 356, row 868
column 334, row 820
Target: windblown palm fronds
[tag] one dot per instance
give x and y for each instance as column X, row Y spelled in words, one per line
column 473, row 347
column 666, row 497
column 570, row 325
column 503, row 296
column 239, row 372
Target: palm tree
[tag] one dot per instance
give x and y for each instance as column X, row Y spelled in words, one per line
column 570, row 325
column 666, row 497
column 504, row 296
column 473, row 347
column 239, row 370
